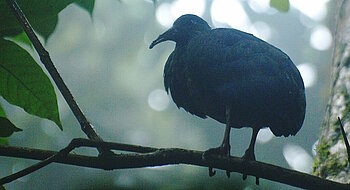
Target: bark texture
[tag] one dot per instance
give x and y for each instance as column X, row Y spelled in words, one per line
column 331, row 159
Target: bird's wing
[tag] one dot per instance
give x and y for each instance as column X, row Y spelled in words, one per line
column 231, row 56
column 233, row 67
column 167, row 72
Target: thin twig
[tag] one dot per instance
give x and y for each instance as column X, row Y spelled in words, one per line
column 171, row 156
column 79, row 142
column 37, row 166
column 46, row 60
column 75, row 143
column 345, row 139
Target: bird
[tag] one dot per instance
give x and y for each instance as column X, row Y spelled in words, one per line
column 233, row 77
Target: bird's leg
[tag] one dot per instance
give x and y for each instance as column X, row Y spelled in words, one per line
column 249, row 154
column 226, row 141
column 224, row 148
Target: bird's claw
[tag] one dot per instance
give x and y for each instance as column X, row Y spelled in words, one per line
column 256, row 179
column 221, row 150
column 211, row 172
column 248, row 156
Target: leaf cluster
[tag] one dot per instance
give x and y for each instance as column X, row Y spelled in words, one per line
column 23, row 83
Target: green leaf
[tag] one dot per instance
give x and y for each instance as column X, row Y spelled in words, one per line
column 4, row 141
column 22, row 38
column 46, row 27
column 88, row 5
column 23, row 83
column 280, row 5
column 2, row 112
column 2, row 187
column 7, row 128
column 42, row 15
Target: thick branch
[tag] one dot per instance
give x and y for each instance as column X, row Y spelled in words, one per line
column 46, row 60
column 169, row 156
column 330, row 160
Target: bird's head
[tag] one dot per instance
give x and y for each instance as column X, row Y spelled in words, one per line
column 183, row 29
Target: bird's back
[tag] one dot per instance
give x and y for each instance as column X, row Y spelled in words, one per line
column 224, row 67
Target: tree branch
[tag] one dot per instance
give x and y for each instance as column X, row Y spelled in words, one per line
column 75, row 143
column 38, row 165
column 46, row 60
column 148, row 157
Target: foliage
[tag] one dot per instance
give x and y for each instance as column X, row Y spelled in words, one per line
column 87, row 5
column 22, row 81
column 281, row 5
column 41, row 14
column 7, row 128
column 2, row 112
column 2, row 115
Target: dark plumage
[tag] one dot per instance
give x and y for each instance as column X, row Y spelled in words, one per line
column 234, row 78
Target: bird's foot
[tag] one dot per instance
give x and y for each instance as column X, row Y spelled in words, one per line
column 249, row 156
column 223, row 150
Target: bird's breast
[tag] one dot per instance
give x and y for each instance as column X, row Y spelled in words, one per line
column 178, row 78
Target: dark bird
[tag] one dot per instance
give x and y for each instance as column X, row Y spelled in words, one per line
column 234, row 78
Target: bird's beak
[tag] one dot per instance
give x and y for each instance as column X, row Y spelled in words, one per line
column 167, row 35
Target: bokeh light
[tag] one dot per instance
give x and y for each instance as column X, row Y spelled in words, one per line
column 261, row 6
column 163, row 16
column 308, row 73
column 297, row 158
column 178, row 8
column 321, row 38
column 315, row 9
column 229, row 13
column 264, row 135
column 158, row 100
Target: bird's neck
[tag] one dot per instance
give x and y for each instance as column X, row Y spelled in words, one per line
column 181, row 45
column 183, row 40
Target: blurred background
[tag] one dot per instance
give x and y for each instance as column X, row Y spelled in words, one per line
column 118, row 82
